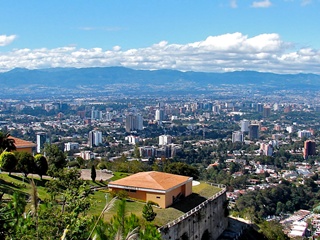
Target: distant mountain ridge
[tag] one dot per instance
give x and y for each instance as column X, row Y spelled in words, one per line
column 71, row 78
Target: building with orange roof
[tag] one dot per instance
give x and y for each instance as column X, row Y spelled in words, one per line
column 159, row 187
column 23, row 145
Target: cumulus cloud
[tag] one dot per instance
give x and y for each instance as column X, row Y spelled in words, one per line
column 6, row 40
column 233, row 3
column 261, row 4
column 227, row 52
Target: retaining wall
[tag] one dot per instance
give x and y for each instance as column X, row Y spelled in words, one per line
column 205, row 222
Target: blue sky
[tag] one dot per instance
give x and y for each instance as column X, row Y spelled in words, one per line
column 280, row 36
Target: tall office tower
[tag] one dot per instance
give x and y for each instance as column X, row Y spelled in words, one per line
column 275, row 107
column 42, row 138
column 139, row 122
column 134, row 122
column 165, row 139
column 159, row 115
column 259, row 107
column 96, row 114
column 109, row 116
column 309, row 149
column 216, row 109
column 266, row 111
column 266, row 149
column 160, row 105
column 237, row 136
column 244, row 124
column 253, row 131
column 95, row 138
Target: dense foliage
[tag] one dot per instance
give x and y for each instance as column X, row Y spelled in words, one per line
column 284, row 198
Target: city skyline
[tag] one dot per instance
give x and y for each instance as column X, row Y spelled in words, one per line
column 210, row 36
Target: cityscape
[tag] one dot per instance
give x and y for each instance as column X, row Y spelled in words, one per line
column 254, row 142
column 151, row 120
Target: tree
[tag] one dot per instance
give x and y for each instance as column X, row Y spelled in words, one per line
column 41, row 165
column 55, row 217
column 272, row 230
column 12, row 214
column 6, row 143
column 26, row 163
column 182, row 169
column 8, row 161
column 148, row 213
column 136, row 152
column 93, row 173
column 55, row 157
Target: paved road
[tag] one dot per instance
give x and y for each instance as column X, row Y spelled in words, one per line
column 86, row 175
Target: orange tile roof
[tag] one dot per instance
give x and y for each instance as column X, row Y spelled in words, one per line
column 20, row 143
column 151, row 180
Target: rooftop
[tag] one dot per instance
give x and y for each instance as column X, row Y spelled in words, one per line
column 151, row 180
column 20, row 143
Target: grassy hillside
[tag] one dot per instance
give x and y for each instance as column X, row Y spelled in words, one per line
column 9, row 184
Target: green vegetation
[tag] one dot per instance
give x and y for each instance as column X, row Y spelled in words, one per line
column 284, row 198
column 66, row 210
column 15, row 183
column 60, row 190
column 148, row 213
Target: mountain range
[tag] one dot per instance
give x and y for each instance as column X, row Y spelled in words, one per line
column 101, row 77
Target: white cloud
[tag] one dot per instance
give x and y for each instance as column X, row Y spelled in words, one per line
column 227, row 52
column 262, row 4
column 306, row 2
column 233, row 3
column 6, row 40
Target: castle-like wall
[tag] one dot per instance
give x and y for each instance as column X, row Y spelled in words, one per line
column 205, row 222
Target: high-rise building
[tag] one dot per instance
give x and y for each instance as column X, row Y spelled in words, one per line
column 309, row 149
column 159, row 115
column 266, row 111
column 42, row 138
column 134, row 122
column 71, row 146
column 304, row 133
column 253, row 131
column 95, row 138
column 266, row 149
column 165, row 139
column 237, row 136
column 215, row 109
column 244, row 124
column 109, row 116
column 132, row 139
column 259, row 107
column 96, row 114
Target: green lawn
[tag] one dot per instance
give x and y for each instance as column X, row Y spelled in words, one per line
column 9, row 184
column 119, row 175
column 200, row 194
column 13, row 183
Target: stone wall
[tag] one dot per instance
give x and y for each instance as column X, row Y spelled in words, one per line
column 205, row 222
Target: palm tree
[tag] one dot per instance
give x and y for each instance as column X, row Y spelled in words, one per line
column 6, row 143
